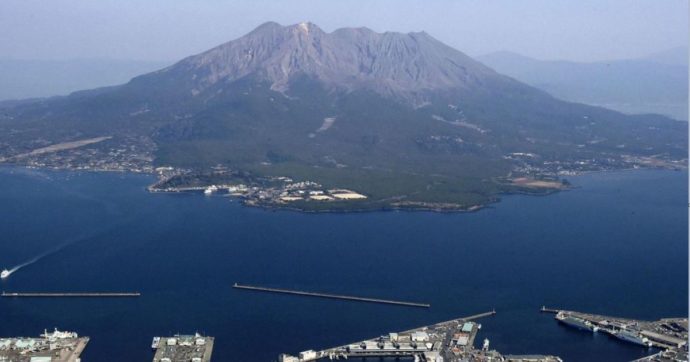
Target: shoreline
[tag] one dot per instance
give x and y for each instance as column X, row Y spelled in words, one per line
column 389, row 208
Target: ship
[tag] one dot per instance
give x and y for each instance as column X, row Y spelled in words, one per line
column 210, row 190
column 4, row 274
column 56, row 334
column 156, row 342
column 632, row 337
column 576, row 322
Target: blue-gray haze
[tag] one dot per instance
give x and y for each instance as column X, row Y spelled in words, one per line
column 586, row 30
column 57, row 47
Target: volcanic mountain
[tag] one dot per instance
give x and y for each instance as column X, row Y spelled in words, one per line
column 401, row 118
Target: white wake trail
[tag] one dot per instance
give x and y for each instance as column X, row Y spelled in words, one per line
column 31, row 261
column 47, row 253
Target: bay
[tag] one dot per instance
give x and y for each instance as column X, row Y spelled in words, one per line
column 617, row 244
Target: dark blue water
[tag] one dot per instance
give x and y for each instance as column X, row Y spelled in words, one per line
column 616, row 245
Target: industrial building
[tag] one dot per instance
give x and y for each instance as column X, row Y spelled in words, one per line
column 56, row 346
column 450, row 341
column 183, row 348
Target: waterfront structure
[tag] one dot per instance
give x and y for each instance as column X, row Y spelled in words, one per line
column 330, row 296
column 450, row 341
column 70, row 295
column 56, row 346
column 183, row 348
column 668, row 334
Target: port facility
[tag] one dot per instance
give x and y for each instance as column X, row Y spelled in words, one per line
column 183, row 348
column 450, row 341
column 668, row 334
column 56, row 346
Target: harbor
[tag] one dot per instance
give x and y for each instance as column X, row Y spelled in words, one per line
column 449, row 341
column 331, row 296
column 69, row 295
column 171, row 297
column 56, row 346
column 670, row 335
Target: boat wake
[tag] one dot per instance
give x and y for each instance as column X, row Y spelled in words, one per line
column 29, row 262
column 7, row 272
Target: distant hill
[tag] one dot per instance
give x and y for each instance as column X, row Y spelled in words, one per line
column 22, row 78
column 673, row 56
column 401, row 118
column 654, row 84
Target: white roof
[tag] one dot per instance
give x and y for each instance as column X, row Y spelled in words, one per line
column 40, row 359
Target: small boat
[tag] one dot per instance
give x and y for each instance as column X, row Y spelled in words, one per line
column 4, row 274
column 156, row 342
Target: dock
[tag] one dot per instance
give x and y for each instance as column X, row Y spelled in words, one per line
column 668, row 334
column 449, row 341
column 69, row 295
column 56, row 346
column 331, row 296
column 183, row 348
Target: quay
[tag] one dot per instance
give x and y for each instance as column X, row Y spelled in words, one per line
column 69, row 295
column 183, row 348
column 668, row 334
column 331, row 296
column 56, row 346
column 449, row 341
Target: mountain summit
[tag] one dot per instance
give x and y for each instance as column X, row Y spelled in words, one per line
column 401, row 118
column 391, row 64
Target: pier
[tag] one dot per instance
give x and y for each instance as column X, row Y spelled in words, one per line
column 451, row 341
column 183, row 348
column 480, row 315
column 56, row 346
column 70, row 295
column 668, row 334
column 331, row 296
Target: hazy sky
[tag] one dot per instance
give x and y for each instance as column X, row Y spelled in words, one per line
column 171, row 29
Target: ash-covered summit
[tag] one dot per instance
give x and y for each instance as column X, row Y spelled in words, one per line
column 346, row 59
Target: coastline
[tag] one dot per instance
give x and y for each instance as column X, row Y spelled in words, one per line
column 444, row 208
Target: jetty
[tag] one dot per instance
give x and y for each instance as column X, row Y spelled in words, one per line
column 549, row 310
column 331, row 296
column 69, row 295
column 668, row 334
column 478, row 316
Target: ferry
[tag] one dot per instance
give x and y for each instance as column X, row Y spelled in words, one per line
column 55, row 335
column 210, row 190
column 4, row 274
column 632, row 337
column 156, row 342
column 576, row 322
